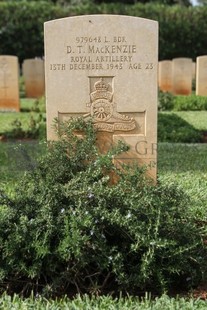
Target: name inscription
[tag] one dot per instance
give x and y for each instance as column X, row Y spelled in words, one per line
column 101, row 53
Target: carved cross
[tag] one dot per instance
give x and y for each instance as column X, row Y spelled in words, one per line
column 113, row 125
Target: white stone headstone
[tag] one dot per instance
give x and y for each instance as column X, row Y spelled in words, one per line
column 182, row 76
column 34, row 77
column 105, row 67
column 165, row 75
column 9, row 83
column 201, row 75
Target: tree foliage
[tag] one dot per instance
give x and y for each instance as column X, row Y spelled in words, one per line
column 21, row 33
column 202, row 2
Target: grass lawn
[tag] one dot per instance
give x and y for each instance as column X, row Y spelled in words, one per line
column 197, row 119
column 7, row 118
column 28, row 108
column 102, row 303
column 186, row 164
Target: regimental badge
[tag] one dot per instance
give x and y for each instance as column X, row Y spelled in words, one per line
column 103, row 110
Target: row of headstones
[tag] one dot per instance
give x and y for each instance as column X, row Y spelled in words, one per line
column 34, row 80
column 175, row 76
column 106, row 69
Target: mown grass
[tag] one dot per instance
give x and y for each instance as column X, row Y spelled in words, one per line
column 27, row 104
column 186, row 165
column 7, row 118
column 28, row 108
column 198, row 119
column 102, row 303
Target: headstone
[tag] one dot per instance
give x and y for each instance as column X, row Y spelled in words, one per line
column 165, row 76
column 34, row 77
column 9, row 83
column 193, row 70
column 182, row 76
column 105, row 67
column 201, row 76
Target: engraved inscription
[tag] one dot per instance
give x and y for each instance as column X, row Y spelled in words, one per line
column 112, row 49
column 102, row 53
column 58, row 67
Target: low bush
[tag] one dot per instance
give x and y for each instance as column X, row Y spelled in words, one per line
column 168, row 102
column 190, row 103
column 67, row 229
column 165, row 101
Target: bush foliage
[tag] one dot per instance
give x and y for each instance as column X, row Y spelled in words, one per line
column 67, row 229
column 167, row 102
column 21, row 24
column 190, row 103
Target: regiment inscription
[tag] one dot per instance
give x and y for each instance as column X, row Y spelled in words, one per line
column 105, row 67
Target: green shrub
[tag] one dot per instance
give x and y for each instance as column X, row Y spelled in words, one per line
column 168, row 102
column 67, row 229
column 165, row 101
column 190, row 103
column 39, row 105
column 21, row 87
column 172, row 128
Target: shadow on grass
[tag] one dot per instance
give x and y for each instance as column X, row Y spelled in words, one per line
column 182, row 157
column 172, row 128
column 18, row 157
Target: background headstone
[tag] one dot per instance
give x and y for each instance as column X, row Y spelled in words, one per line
column 193, row 70
column 34, row 77
column 9, row 83
column 105, row 66
column 182, row 76
column 201, row 75
column 165, row 75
